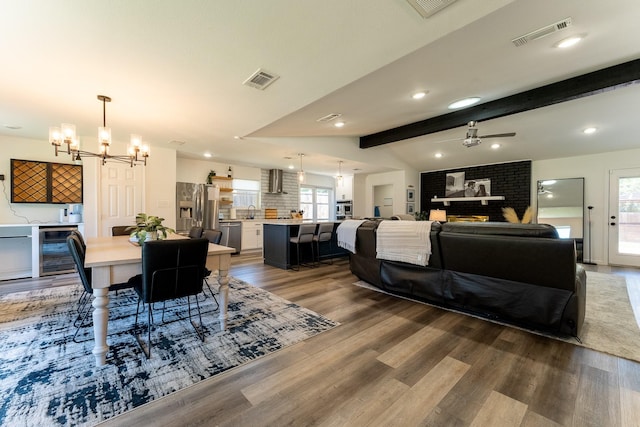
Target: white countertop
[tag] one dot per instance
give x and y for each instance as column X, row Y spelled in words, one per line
column 42, row 224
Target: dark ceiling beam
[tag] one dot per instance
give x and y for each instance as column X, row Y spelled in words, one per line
column 600, row 81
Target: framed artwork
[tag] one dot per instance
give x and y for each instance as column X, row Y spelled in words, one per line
column 411, row 195
column 477, row 187
column 411, row 208
column 454, row 186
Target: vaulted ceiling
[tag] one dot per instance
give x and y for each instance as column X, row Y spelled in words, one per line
column 175, row 72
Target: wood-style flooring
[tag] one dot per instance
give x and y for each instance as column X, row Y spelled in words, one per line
column 393, row 362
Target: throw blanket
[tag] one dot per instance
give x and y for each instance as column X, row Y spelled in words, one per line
column 406, row 241
column 346, row 234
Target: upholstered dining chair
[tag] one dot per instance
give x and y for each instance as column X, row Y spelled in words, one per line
column 195, row 233
column 171, row 269
column 324, row 234
column 304, row 237
column 77, row 249
column 214, row 236
column 120, row 230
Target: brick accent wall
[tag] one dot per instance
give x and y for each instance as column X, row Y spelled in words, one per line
column 511, row 180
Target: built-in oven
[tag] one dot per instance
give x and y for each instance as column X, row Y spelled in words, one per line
column 55, row 257
column 344, row 209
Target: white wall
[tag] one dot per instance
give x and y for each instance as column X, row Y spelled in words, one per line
column 595, row 170
column 196, row 171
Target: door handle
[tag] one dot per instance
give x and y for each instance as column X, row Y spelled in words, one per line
column 613, row 217
column 613, row 223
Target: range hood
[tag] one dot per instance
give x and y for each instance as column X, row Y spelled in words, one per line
column 275, row 181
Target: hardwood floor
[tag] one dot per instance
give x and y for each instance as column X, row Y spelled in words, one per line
column 393, row 362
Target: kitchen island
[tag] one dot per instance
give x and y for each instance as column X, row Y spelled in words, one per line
column 280, row 252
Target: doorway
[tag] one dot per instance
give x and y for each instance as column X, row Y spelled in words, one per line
column 121, row 195
column 383, row 200
column 624, row 217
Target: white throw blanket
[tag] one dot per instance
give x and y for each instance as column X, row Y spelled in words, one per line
column 406, row 241
column 346, row 234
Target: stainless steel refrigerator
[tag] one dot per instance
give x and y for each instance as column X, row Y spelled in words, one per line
column 197, row 206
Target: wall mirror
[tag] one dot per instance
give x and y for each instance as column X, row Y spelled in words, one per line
column 561, row 204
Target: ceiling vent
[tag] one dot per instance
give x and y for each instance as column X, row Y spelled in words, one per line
column 329, row 117
column 541, row 32
column 426, row 8
column 176, row 143
column 261, row 79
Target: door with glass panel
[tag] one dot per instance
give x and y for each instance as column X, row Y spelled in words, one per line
column 624, row 217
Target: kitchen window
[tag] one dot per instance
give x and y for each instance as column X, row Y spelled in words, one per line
column 316, row 202
column 246, row 192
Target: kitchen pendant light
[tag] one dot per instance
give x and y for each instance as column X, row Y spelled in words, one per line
column 301, row 171
column 339, row 176
column 66, row 133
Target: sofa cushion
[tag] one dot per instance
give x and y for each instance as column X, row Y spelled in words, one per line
column 501, row 229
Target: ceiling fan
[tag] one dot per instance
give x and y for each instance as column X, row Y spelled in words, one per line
column 472, row 138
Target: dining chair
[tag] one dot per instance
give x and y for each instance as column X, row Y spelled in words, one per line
column 121, row 230
column 195, row 232
column 77, row 251
column 171, row 269
column 304, row 237
column 214, row 236
column 324, row 234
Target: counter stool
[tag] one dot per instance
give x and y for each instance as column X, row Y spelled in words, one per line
column 324, row 234
column 305, row 236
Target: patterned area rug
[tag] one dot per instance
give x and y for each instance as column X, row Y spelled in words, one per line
column 47, row 379
column 609, row 323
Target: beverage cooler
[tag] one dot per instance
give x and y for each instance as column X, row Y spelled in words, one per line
column 55, row 257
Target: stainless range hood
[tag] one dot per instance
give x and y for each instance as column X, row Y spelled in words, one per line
column 275, row 181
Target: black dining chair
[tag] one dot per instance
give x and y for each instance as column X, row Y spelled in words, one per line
column 77, row 249
column 304, row 237
column 214, row 236
column 171, row 269
column 195, row 233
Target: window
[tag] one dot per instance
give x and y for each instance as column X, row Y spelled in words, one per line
column 315, row 203
column 246, row 193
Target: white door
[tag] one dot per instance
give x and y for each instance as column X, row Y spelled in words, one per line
column 624, row 217
column 121, row 195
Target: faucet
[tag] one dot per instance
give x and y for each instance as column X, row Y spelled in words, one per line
column 251, row 212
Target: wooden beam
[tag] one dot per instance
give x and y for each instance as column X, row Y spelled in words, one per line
column 600, row 81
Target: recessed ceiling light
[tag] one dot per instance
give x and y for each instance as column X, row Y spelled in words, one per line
column 438, row 155
column 463, row 103
column 291, row 166
column 338, row 124
column 419, row 95
column 589, row 131
column 237, row 137
column 568, row 42
column 495, row 146
column 207, row 155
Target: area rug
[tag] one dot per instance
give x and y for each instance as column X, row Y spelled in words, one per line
column 609, row 324
column 48, row 379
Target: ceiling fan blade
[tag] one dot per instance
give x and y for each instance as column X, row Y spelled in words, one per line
column 447, row 140
column 498, row 135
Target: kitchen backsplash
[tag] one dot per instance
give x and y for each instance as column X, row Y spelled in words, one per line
column 283, row 202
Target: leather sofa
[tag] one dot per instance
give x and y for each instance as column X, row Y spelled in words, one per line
column 521, row 274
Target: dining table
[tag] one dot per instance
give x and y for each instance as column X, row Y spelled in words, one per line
column 115, row 259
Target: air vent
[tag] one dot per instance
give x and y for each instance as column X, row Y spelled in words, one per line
column 177, row 143
column 541, row 32
column 261, row 79
column 426, row 8
column 329, row 117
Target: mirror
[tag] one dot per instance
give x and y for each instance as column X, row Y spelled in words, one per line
column 561, row 204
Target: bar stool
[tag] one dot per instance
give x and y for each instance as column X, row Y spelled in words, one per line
column 305, row 236
column 324, row 234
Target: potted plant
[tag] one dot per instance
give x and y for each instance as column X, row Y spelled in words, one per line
column 149, row 227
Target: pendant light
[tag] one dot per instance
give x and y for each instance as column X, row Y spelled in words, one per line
column 339, row 176
column 301, row 171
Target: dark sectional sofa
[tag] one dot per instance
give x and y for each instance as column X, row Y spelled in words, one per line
column 521, row 274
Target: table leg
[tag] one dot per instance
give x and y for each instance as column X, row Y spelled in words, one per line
column 223, row 281
column 100, row 317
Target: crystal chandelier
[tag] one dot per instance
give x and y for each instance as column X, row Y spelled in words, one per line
column 137, row 152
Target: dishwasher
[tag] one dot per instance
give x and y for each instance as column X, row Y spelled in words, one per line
column 231, row 234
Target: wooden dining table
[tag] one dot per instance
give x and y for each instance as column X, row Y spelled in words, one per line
column 116, row 259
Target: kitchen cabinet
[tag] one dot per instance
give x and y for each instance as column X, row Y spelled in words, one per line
column 251, row 235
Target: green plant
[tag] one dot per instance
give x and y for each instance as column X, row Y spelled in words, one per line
column 149, row 225
column 421, row 216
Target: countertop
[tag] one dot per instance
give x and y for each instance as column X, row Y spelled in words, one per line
column 43, row 224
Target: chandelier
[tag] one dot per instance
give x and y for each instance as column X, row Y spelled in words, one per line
column 137, row 152
column 301, row 171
